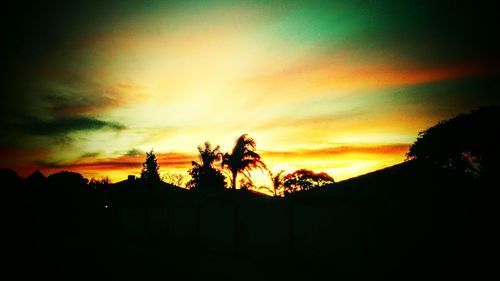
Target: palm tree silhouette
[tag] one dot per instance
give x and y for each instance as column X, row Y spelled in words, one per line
column 277, row 180
column 242, row 159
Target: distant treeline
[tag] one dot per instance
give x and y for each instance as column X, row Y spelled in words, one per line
column 466, row 144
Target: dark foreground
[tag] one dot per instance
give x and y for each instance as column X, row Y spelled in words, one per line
column 405, row 222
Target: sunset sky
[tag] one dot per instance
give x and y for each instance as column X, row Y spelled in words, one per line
column 339, row 87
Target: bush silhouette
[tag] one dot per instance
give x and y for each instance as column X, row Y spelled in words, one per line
column 67, row 189
column 204, row 175
column 68, row 179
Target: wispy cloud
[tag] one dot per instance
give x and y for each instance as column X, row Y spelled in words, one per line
column 342, row 77
column 329, row 152
column 133, row 152
column 62, row 126
column 132, row 159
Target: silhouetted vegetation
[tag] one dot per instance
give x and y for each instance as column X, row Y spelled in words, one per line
column 242, row 159
column 205, row 175
column 96, row 183
column 150, row 168
column 427, row 216
column 176, row 179
column 304, row 180
column 468, row 143
column 277, row 181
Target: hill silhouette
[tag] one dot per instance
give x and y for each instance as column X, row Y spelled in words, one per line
column 412, row 221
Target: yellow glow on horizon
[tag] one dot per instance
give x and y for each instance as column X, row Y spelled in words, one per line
column 341, row 167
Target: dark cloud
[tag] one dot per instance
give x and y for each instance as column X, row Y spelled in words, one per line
column 84, row 96
column 89, row 155
column 63, row 126
column 133, row 152
column 49, row 164
column 65, row 105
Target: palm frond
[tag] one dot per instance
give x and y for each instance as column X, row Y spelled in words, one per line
column 243, row 158
column 247, row 176
column 277, row 179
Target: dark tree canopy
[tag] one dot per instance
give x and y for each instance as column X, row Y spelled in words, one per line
column 67, row 178
column 467, row 143
column 205, row 175
column 305, row 180
column 150, row 168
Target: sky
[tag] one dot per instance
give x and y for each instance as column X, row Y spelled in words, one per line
column 342, row 87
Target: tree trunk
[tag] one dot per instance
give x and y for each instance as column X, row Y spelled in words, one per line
column 235, row 174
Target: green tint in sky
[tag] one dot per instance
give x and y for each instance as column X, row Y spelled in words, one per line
column 336, row 86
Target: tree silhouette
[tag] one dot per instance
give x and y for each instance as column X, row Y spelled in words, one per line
column 173, row 178
column 277, row 181
column 150, row 168
column 204, row 175
column 242, row 159
column 68, row 189
column 98, row 183
column 467, row 143
column 305, row 180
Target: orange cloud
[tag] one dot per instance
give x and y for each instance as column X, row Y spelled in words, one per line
column 115, row 168
column 173, row 160
column 322, row 153
column 342, row 75
column 96, row 99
